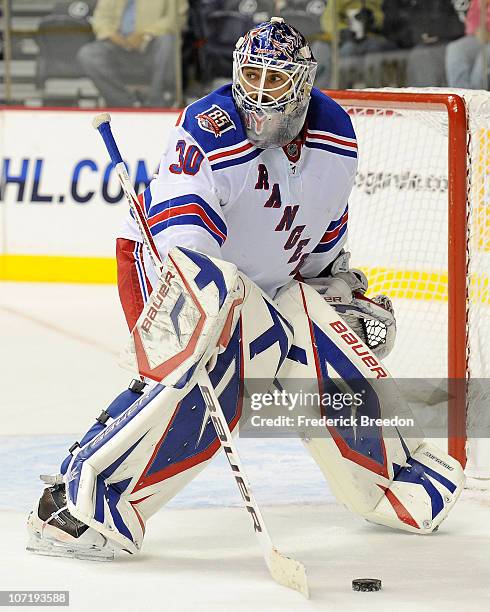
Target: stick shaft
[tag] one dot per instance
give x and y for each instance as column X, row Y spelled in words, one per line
column 217, row 416
column 228, row 444
column 111, row 145
column 137, row 209
column 102, row 124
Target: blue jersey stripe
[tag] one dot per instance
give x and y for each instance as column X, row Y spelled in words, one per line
column 185, row 220
column 191, row 198
column 330, row 149
column 323, row 248
column 337, row 222
column 235, row 162
column 147, row 193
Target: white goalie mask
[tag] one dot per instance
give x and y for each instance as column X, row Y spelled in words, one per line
column 273, row 73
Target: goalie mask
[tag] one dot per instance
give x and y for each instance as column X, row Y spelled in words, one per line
column 273, row 73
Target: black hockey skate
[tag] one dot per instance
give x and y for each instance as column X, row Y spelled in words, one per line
column 55, row 532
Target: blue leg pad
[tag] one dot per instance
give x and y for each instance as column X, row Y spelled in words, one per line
column 123, row 401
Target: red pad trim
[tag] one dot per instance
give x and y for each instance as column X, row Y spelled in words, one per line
column 402, row 513
column 345, row 450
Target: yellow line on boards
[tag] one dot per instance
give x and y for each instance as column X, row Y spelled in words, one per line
column 423, row 285
column 396, row 283
column 58, row 269
column 408, row 284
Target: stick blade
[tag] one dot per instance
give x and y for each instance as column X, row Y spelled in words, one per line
column 288, row 572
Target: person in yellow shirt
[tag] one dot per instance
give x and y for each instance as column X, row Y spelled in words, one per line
column 134, row 37
column 360, row 27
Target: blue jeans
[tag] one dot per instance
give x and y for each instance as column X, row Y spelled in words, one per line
column 110, row 67
column 464, row 63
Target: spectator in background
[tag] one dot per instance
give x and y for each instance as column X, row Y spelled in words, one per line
column 360, row 25
column 464, row 61
column 134, row 37
column 426, row 26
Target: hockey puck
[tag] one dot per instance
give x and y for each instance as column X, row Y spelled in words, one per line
column 366, row 584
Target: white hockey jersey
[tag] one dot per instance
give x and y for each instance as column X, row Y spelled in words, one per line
column 271, row 213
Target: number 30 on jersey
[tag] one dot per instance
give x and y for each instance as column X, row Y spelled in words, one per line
column 190, row 159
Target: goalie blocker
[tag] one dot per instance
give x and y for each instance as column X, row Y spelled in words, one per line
column 150, row 443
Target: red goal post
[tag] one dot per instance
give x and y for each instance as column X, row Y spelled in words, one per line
column 425, row 135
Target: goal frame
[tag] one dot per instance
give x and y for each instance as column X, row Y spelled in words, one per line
column 458, row 259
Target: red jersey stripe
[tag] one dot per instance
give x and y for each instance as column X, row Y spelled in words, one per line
column 241, row 149
column 186, row 209
column 339, row 141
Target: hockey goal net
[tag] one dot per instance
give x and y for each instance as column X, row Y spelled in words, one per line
column 419, row 226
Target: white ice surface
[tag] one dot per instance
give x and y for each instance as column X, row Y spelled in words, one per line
column 206, row 559
column 58, row 362
column 59, row 351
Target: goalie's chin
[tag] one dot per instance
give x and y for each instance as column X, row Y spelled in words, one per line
column 272, row 129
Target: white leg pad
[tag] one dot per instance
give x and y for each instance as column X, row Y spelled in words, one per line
column 422, row 493
column 375, row 472
column 158, row 444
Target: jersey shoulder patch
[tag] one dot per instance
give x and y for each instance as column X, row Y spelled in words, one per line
column 329, row 126
column 213, row 121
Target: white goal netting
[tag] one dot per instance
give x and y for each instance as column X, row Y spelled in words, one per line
column 398, row 232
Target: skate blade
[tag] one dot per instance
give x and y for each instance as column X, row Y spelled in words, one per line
column 60, row 549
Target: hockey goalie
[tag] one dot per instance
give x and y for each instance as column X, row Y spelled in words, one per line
column 249, row 214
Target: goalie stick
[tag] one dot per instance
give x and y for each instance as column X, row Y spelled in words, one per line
column 284, row 570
